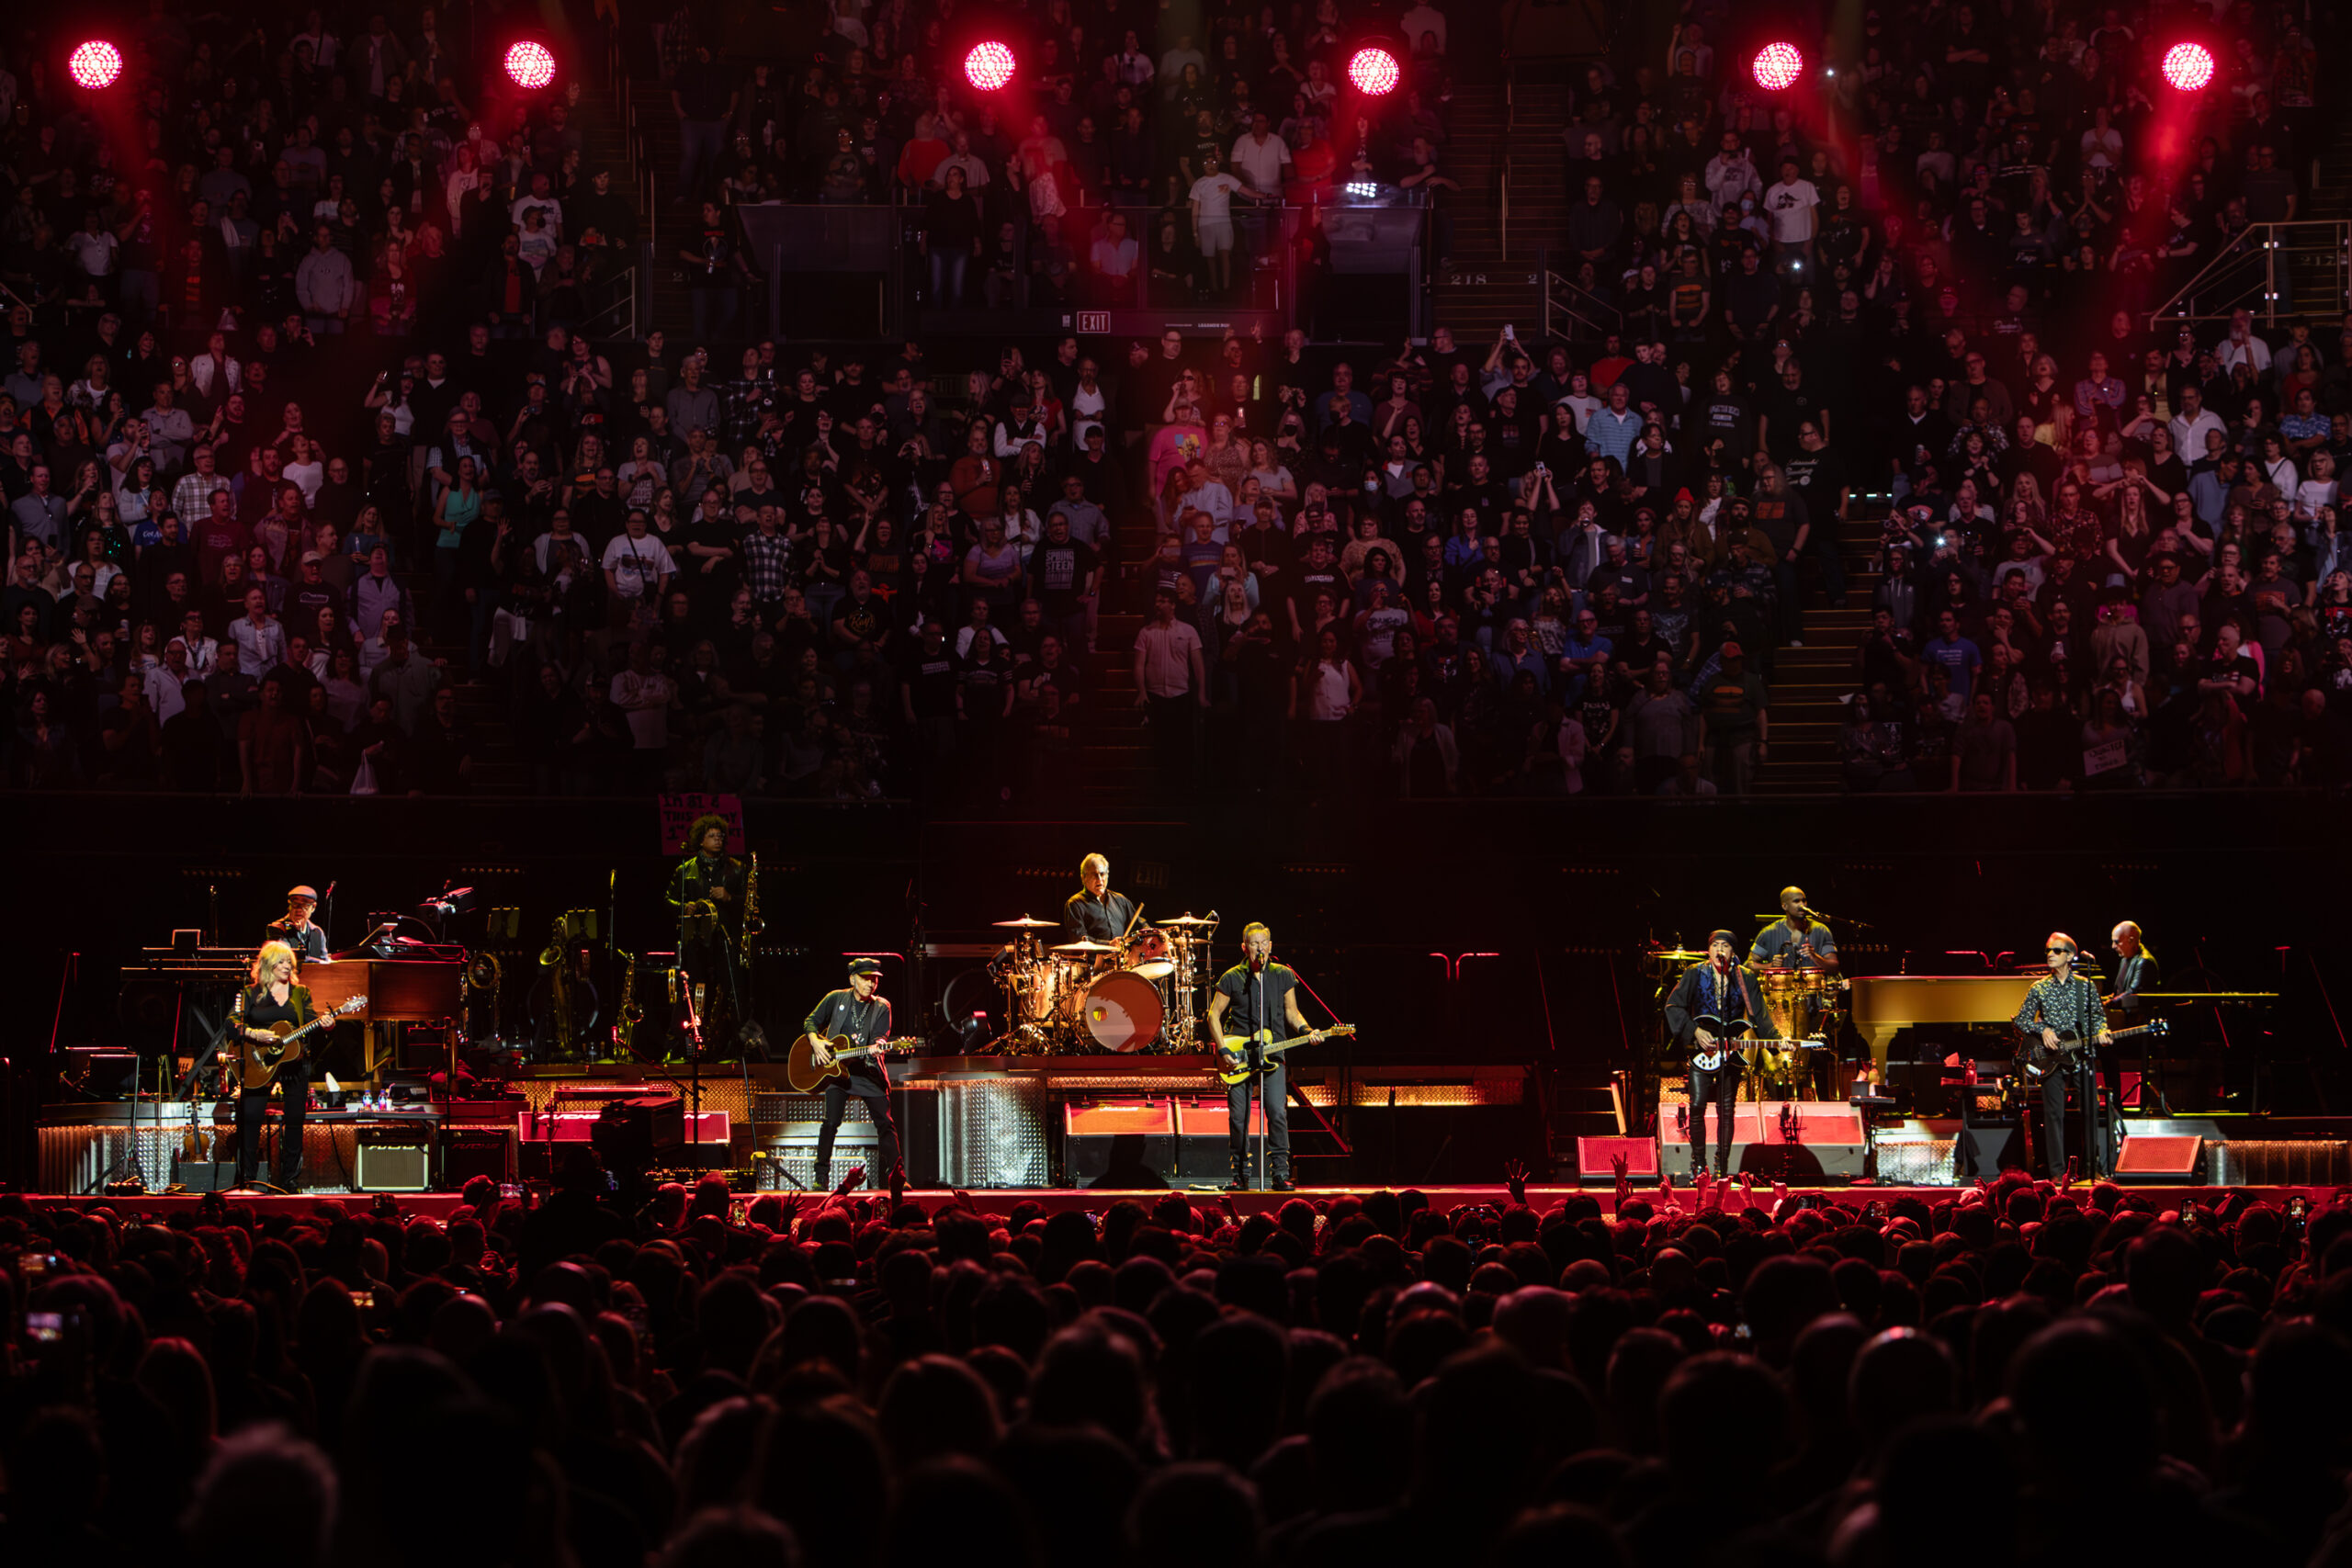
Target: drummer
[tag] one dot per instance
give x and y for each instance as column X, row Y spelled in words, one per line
column 1097, row 914
column 1797, row 940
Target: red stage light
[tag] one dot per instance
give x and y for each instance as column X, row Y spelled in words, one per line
column 94, row 64
column 2189, row 66
column 989, row 67
column 1778, row 66
column 1375, row 71
column 530, row 64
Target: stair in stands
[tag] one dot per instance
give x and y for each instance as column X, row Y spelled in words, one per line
column 1809, row 685
column 1494, row 277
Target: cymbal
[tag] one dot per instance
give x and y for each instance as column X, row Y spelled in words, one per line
column 1084, row 947
column 1186, row 920
column 1028, row 923
column 1674, row 955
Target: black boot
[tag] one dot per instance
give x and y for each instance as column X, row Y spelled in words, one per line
column 1278, row 1178
column 1240, row 1182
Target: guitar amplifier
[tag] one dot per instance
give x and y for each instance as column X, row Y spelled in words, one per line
column 469, row 1152
column 1149, row 1143
column 391, row 1159
column 632, row 1132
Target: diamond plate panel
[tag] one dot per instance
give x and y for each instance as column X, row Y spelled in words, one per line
column 992, row 1133
column 1917, row 1162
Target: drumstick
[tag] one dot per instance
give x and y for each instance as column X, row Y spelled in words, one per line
column 1131, row 923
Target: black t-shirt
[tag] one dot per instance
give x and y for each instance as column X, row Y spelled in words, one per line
column 864, row 622
column 930, row 681
column 1257, row 1001
column 1058, row 571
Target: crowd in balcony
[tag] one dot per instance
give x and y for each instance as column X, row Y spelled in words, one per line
column 322, row 473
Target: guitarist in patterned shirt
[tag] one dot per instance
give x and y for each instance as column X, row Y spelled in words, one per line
column 1720, row 989
column 2062, row 1005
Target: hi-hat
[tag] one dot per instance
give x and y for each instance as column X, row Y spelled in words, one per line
column 1084, row 947
column 1028, row 923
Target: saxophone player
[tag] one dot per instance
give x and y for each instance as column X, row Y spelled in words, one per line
column 707, row 891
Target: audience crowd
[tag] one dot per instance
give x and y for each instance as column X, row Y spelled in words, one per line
column 321, row 477
column 2014, row 1374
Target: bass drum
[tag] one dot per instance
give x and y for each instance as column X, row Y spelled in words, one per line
column 1120, row 1012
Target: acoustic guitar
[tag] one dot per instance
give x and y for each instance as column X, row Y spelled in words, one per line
column 259, row 1065
column 802, row 1070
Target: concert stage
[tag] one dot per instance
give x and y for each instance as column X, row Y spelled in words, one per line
column 438, row 1206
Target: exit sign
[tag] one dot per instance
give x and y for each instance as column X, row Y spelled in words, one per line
column 1094, row 320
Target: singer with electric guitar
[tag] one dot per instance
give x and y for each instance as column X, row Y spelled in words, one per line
column 1714, row 1004
column 272, row 1019
column 848, row 1031
column 2064, row 1007
column 1255, row 1002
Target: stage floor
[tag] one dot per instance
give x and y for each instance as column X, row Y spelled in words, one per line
column 1053, row 1201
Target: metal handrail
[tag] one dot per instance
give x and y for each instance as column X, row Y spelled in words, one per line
column 1583, row 306
column 1511, row 139
column 2247, row 269
column 625, row 284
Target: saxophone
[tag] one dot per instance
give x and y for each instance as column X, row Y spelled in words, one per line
column 752, row 924
column 556, row 958
column 630, row 1014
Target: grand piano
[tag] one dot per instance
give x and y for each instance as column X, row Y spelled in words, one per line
column 1881, row 1004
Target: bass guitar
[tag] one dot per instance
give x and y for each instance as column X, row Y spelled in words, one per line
column 2037, row 1056
column 1234, row 1051
column 1733, row 1037
column 805, row 1074
column 259, row 1065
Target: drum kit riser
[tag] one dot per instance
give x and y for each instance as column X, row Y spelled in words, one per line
column 1100, row 997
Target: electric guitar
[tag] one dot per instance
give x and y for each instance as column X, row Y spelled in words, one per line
column 2037, row 1057
column 259, row 1065
column 1733, row 1037
column 802, row 1070
column 1233, row 1068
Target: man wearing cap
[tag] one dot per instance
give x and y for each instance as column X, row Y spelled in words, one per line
column 859, row 1013
column 309, row 942
column 1712, row 1002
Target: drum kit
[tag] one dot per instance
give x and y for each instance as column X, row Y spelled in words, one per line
column 1143, row 993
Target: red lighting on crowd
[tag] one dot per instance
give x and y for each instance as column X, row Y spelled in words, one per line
column 2189, row 66
column 530, row 64
column 989, row 67
column 1375, row 71
column 1778, row 66
column 94, row 64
